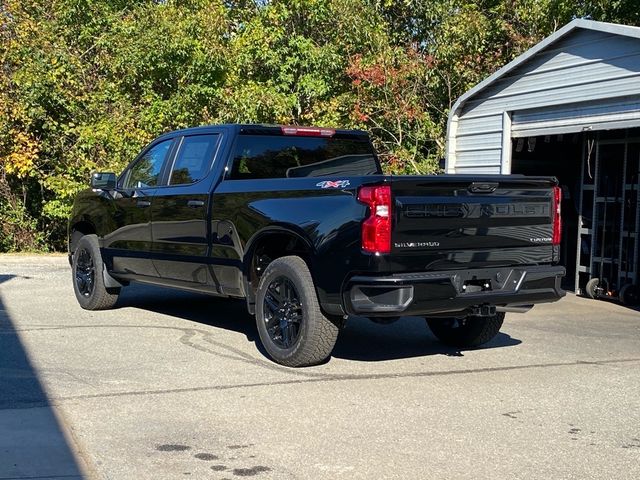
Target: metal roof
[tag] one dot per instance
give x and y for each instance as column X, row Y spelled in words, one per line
column 578, row 23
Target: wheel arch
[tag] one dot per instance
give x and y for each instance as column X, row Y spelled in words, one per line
column 265, row 246
column 78, row 228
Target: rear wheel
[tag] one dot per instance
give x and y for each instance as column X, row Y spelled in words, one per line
column 292, row 328
column 466, row 332
column 88, row 282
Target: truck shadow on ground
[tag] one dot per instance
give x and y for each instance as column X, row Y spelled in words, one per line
column 360, row 340
column 363, row 340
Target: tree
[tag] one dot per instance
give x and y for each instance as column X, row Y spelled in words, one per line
column 84, row 84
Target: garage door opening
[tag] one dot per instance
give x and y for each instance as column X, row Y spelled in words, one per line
column 600, row 177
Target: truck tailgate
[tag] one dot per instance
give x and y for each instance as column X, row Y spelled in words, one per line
column 448, row 221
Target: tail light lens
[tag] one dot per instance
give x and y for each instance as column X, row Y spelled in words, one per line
column 376, row 229
column 557, row 218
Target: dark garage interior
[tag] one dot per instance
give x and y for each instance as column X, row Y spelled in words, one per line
column 599, row 175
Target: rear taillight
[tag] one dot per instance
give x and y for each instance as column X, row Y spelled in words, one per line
column 308, row 131
column 557, row 218
column 376, row 229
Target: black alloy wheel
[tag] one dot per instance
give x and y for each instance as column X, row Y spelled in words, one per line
column 283, row 312
column 85, row 273
column 292, row 328
column 87, row 270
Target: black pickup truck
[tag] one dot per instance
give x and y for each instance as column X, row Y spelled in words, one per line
column 301, row 222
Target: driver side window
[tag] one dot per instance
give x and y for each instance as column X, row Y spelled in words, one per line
column 146, row 171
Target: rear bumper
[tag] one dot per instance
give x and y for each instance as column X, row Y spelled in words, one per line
column 455, row 291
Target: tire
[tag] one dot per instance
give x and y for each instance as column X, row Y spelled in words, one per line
column 88, row 282
column 591, row 288
column 630, row 295
column 292, row 328
column 467, row 332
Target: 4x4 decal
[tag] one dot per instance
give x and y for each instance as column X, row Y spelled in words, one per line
column 333, row 184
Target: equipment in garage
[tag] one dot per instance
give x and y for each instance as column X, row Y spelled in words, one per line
column 599, row 173
column 601, row 285
column 610, row 216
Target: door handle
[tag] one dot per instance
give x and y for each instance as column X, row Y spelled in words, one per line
column 143, row 204
column 195, row 203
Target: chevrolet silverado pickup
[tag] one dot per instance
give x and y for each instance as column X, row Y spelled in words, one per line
column 302, row 223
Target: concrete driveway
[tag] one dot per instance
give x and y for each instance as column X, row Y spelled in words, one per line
column 173, row 385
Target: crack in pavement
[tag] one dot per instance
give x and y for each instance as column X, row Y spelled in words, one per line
column 325, row 378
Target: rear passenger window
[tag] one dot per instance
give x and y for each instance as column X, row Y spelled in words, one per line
column 193, row 159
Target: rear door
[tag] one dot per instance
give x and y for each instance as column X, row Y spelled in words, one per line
column 180, row 210
column 129, row 245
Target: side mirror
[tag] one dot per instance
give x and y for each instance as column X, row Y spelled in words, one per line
column 103, row 181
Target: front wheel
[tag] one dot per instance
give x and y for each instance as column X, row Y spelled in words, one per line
column 88, row 282
column 466, row 332
column 292, row 328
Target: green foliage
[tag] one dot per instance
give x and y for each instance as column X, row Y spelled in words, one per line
column 84, row 84
column 18, row 230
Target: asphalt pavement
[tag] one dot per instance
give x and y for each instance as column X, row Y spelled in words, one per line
column 175, row 385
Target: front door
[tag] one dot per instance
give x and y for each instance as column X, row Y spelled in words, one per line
column 180, row 212
column 128, row 247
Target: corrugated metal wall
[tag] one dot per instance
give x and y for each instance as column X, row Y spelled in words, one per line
column 585, row 76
